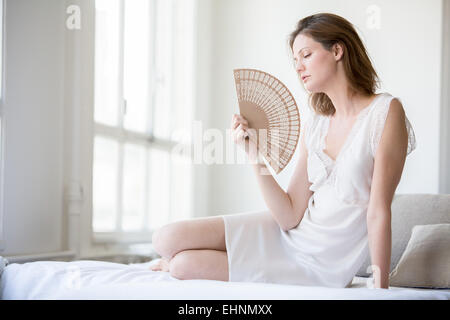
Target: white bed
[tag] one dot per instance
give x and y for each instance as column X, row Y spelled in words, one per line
column 106, row 280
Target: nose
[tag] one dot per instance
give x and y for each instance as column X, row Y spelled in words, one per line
column 299, row 66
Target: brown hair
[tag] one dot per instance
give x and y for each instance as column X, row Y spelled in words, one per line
column 329, row 29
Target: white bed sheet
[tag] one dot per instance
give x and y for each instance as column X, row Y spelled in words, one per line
column 106, row 280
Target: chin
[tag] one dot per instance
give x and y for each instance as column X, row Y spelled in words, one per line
column 313, row 88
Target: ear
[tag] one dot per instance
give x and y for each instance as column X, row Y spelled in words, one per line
column 338, row 51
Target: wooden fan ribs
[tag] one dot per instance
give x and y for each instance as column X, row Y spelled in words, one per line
column 265, row 92
column 268, row 104
column 268, row 93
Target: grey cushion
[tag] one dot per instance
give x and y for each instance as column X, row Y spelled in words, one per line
column 409, row 210
column 426, row 260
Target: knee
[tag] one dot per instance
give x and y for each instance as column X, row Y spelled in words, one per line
column 161, row 241
column 155, row 240
column 180, row 265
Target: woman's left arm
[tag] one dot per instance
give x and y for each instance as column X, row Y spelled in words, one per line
column 388, row 166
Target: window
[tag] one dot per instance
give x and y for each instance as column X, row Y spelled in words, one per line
column 143, row 97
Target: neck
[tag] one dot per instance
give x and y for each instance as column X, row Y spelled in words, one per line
column 347, row 102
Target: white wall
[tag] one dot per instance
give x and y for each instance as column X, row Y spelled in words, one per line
column 33, row 199
column 406, row 52
column 444, row 181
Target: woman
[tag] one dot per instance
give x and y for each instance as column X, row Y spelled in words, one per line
column 336, row 210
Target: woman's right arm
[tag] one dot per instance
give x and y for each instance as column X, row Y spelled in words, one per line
column 298, row 189
column 287, row 208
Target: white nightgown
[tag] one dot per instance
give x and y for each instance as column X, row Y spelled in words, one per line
column 330, row 244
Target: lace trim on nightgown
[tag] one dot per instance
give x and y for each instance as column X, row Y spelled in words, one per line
column 329, row 163
column 379, row 122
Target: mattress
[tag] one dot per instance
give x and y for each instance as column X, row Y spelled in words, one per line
column 85, row 279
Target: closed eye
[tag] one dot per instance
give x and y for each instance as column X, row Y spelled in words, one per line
column 295, row 59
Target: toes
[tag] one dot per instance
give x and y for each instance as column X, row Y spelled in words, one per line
column 160, row 265
column 156, row 266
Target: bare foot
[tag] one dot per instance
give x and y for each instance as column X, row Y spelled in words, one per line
column 161, row 265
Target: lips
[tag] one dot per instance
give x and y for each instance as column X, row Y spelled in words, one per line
column 305, row 77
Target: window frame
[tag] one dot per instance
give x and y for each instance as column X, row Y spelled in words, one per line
column 121, row 135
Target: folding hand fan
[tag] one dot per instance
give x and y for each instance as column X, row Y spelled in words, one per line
column 267, row 104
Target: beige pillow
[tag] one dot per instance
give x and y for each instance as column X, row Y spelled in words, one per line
column 426, row 260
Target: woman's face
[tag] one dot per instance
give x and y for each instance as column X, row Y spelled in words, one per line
column 314, row 62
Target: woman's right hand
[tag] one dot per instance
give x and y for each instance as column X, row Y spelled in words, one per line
column 242, row 136
column 239, row 127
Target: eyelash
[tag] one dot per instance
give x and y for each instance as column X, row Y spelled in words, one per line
column 295, row 60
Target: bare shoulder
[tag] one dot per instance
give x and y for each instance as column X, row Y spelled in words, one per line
column 396, row 110
column 394, row 139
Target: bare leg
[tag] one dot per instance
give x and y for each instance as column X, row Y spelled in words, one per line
column 192, row 249
column 200, row 264
column 199, row 233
